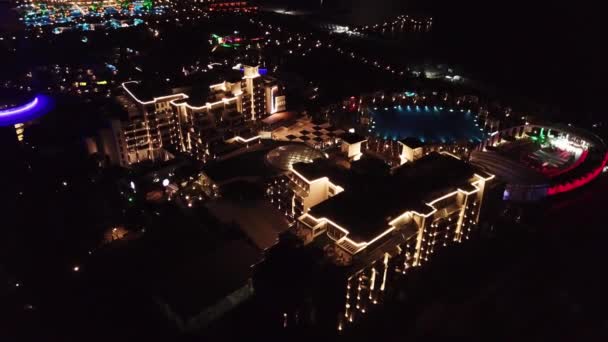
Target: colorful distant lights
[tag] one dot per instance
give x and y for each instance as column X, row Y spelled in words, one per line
column 72, row 15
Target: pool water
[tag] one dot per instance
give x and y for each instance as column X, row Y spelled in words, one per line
column 427, row 123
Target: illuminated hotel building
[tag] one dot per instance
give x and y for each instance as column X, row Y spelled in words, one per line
column 411, row 149
column 439, row 210
column 200, row 117
column 291, row 193
column 274, row 102
column 228, row 107
column 150, row 128
column 162, row 122
column 306, row 194
column 374, row 227
column 253, row 86
column 352, row 145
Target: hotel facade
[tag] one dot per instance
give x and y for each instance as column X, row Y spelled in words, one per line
column 372, row 228
column 157, row 125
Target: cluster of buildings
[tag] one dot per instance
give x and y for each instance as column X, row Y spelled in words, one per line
column 160, row 123
column 365, row 225
column 79, row 14
column 358, row 225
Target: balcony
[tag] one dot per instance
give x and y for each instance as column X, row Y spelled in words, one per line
column 350, row 248
column 309, row 221
column 448, row 211
column 334, row 233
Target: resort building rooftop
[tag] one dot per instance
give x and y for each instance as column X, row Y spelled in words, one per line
column 412, row 142
column 369, row 204
column 323, row 168
column 147, row 91
column 353, row 138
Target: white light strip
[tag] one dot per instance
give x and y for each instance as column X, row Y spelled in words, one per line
column 306, row 180
column 273, row 100
column 324, row 219
column 449, row 154
column 206, row 105
column 181, row 95
column 237, row 138
column 356, row 244
column 363, row 245
column 220, row 85
column 156, row 99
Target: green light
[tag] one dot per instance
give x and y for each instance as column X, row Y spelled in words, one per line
column 148, row 4
column 131, row 199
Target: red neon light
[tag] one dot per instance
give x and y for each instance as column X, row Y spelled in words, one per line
column 577, row 183
column 554, row 173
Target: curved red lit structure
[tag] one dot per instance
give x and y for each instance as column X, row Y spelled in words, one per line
column 529, row 182
column 578, row 182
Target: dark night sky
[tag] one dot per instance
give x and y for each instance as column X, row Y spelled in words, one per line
column 552, row 50
column 8, row 18
column 548, row 51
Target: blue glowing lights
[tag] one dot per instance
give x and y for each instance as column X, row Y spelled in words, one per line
column 37, row 107
column 427, row 123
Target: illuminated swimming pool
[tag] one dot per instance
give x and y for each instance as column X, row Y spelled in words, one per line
column 427, row 123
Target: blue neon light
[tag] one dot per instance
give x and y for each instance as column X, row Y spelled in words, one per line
column 38, row 107
column 261, row 71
